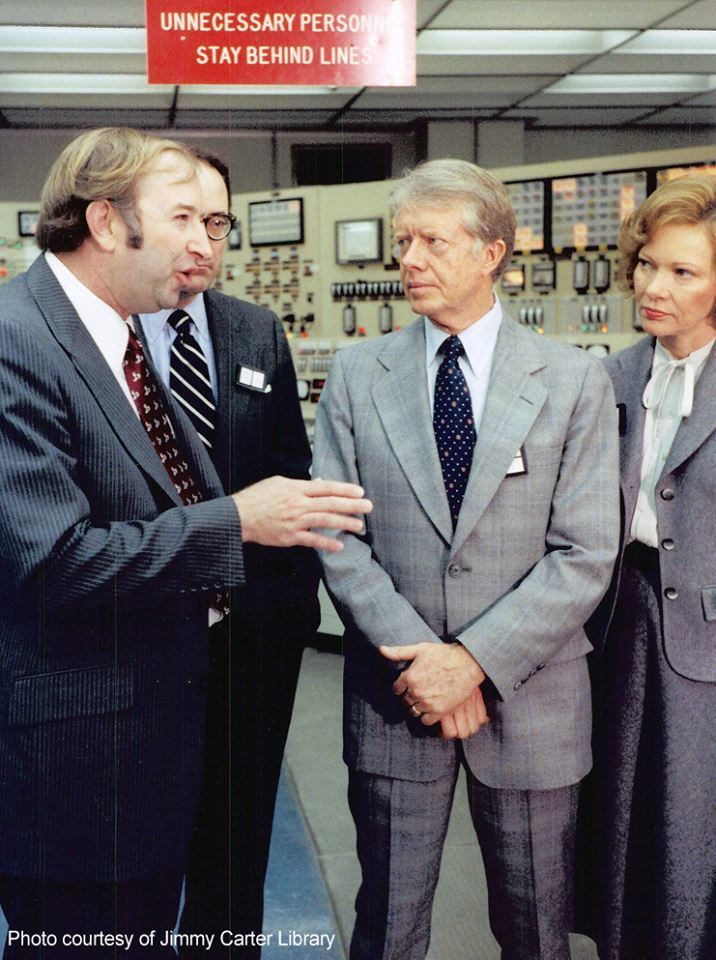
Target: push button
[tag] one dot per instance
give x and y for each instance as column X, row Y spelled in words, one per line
column 670, row 593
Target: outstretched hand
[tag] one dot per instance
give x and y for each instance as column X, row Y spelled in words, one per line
column 283, row 512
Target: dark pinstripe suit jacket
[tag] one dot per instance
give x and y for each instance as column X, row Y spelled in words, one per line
column 259, row 435
column 103, row 623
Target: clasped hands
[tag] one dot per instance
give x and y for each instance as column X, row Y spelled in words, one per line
column 441, row 685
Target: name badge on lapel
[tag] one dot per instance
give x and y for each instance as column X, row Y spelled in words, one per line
column 252, row 379
column 518, row 465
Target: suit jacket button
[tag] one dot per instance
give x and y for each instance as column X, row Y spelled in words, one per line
column 670, row 593
column 667, row 494
column 667, row 544
column 454, row 569
column 517, row 685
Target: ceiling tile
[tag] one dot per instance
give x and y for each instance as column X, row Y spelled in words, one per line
column 573, row 102
column 70, row 63
column 77, row 13
column 686, row 115
column 81, row 118
column 648, row 63
column 699, row 15
column 573, row 116
column 193, row 98
column 553, row 14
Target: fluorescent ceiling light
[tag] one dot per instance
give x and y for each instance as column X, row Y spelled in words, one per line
column 586, row 83
column 84, row 83
column 680, row 42
column 73, row 40
column 488, row 43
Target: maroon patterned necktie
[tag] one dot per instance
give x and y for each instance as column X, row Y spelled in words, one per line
column 155, row 420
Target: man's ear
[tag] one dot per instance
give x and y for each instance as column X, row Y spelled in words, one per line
column 493, row 253
column 101, row 219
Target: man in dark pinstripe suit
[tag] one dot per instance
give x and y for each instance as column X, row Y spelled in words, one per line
column 108, row 577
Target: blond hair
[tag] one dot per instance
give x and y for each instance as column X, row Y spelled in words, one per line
column 485, row 206
column 102, row 164
column 686, row 200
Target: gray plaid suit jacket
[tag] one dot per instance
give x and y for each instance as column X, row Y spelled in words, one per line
column 530, row 559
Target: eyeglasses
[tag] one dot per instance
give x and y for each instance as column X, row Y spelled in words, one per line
column 219, row 225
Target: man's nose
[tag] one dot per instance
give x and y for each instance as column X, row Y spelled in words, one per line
column 412, row 255
column 199, row 242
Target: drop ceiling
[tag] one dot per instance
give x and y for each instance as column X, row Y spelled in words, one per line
column 546, row 63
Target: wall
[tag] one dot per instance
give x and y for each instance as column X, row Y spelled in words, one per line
column 26, row 155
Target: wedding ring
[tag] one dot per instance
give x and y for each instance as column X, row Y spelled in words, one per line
column 415, row 712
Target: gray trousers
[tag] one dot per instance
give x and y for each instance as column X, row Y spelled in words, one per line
column 527, row 843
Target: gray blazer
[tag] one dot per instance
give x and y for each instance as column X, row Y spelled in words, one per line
column 685, row 511
column 530, row 558
column 106, row 583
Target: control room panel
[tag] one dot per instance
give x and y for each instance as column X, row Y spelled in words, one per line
column 322, row 258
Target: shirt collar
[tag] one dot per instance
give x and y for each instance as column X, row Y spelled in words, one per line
column 478, row 339
column 93, row 311
column 104, row 324
column 696, row 359
column 153, row 323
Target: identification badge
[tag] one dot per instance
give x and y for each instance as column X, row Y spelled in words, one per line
column 252, row 380
column 518, row 465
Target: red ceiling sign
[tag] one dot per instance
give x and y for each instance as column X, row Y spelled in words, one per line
column 337, row 43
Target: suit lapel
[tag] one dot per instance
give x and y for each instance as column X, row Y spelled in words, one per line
column 633, row 370
column 514, row 399
column 701, row 423
column 91, row 366
column 402, row 402
column 233, row 347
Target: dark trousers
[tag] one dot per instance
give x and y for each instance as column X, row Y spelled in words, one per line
column 250, row 699
column 527, row 843
column 87, row 917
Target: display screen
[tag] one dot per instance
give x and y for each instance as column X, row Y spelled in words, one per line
column 587, row 211
column 543, row 275
column 527, row 198
column 275, row 221
column 359, row 241
column 513, row 279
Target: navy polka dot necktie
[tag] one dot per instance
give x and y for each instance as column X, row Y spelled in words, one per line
column 453, row 424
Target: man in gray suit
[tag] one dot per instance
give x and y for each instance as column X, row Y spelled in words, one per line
column 117, row 545
column 255, row 654
column 491, row 458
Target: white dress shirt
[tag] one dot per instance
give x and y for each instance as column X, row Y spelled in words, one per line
column 479, row 342
column 160, row 335
column 668, row 398
column 103, row 324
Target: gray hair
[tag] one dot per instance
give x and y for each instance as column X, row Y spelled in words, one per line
column 485, row 207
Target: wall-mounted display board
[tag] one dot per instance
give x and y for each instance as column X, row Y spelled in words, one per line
column 671, row 173
column 527, row 198
column 588, row 210
column 272, row 222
